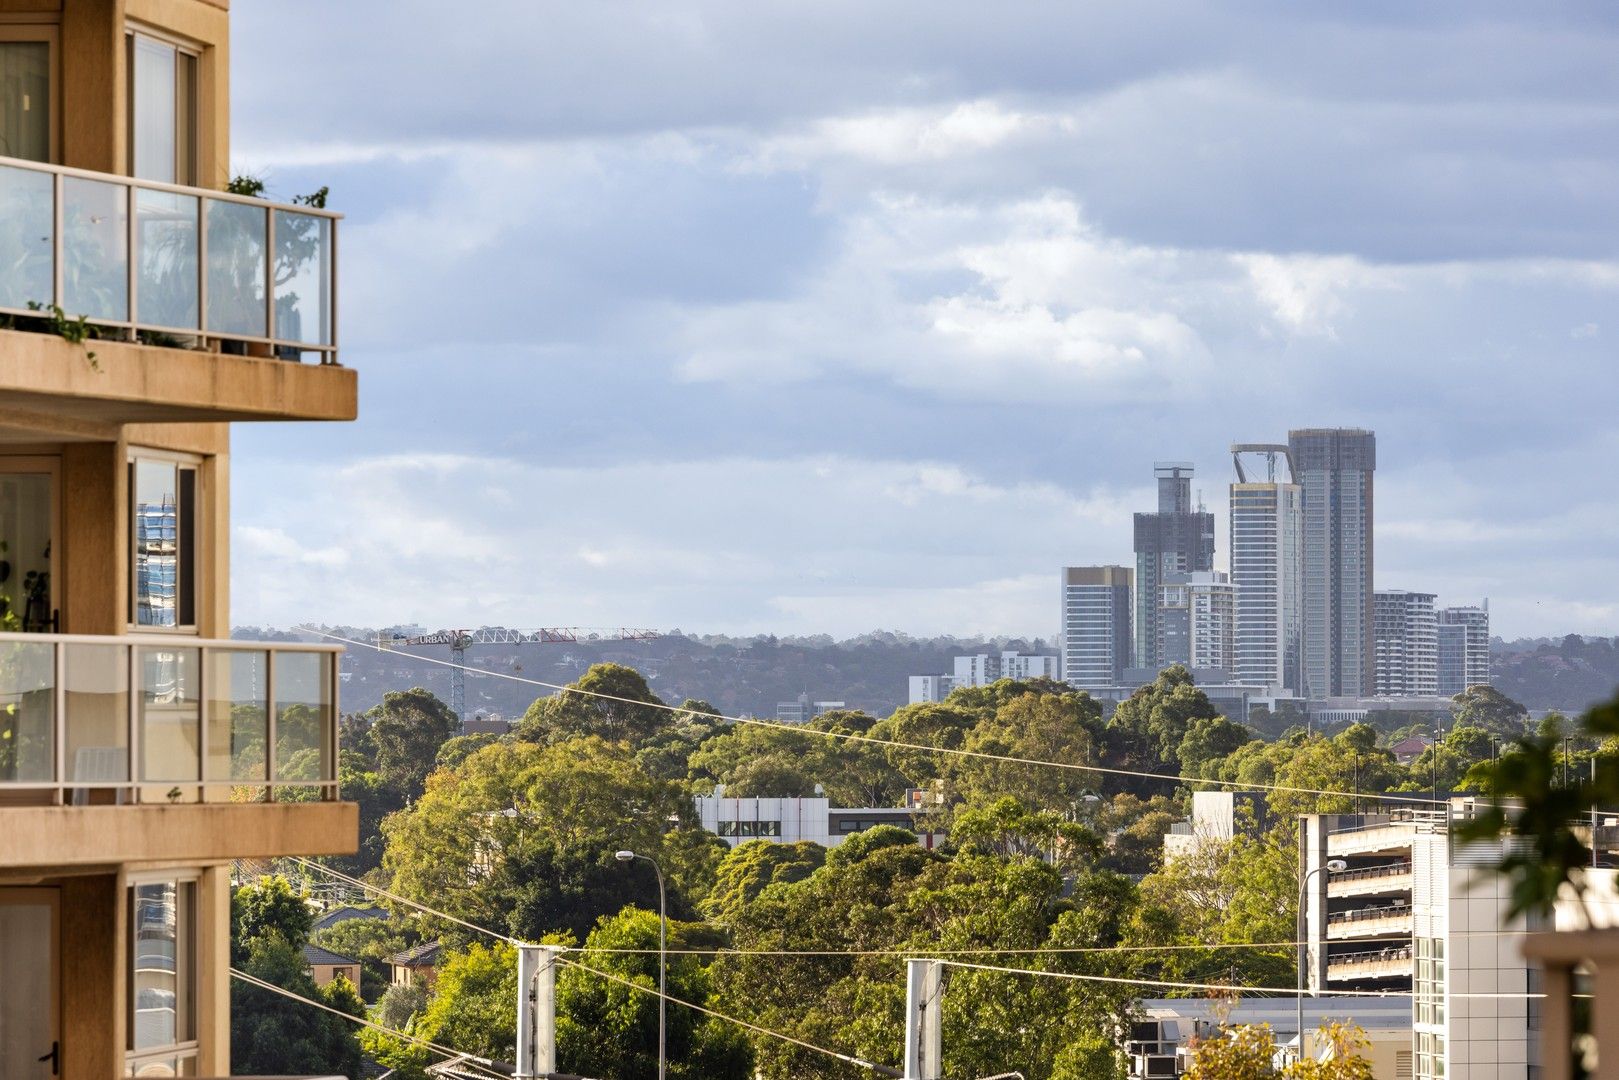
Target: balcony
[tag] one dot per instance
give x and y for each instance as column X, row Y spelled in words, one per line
column 1391, row 963
column 198, row 304
column 1381, row 921
column 1381, row 880
column 114, row 749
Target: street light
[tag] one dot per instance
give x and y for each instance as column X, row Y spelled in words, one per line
column 663, row 951
column 1334, row 866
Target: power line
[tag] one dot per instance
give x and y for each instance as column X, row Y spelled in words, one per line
column 604, row 974
column 848, row 1058
column 1406, row 799
column 1224, row 987
column 480, row 1065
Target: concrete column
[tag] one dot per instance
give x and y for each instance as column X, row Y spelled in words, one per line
column 536, row 1010
column 923, row 1044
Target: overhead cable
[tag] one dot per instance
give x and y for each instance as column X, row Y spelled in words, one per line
column 1404, row 799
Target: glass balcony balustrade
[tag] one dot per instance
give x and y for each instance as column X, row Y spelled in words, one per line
column 167, row 264
column 111, row 720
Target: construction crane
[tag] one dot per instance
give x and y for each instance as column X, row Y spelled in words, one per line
column 460, row 641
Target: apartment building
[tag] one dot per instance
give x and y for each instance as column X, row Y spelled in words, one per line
column 1197, row 620
column 982, row 669
column 1334, row 468
column 1464, row 648
column 1096, row 638
column 1177, row 539
column 1267, row 569
column 141, row 751
column 1406, row 632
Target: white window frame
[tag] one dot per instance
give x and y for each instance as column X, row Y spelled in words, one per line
column 190, row 174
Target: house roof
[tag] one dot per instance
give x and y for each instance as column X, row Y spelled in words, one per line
column 314, row 954
column 344, row 914
column 1411, row 744
column 421, row 956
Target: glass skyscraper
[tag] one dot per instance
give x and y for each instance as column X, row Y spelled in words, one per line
column 1333, row 468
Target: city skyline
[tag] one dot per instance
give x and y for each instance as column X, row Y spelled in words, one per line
column 892, row 332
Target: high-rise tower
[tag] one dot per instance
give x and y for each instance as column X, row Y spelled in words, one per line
column 1333, row 467
column 1267, row 571
column 1178, row 539
column 1095, row 625
column 1407, row 634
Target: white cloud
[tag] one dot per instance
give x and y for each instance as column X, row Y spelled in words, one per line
column 644, row 544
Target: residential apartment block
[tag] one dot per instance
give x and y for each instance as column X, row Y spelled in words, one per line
column 1267, row 570
column 1464, row 648
column 981, row 670
column 1177, row 539
column 1197, row 620
column 1096, row 637
column 1406, row 631
column 141, row 750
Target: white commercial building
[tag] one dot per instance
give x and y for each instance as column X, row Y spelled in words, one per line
column 1464, row 648
column 929, row 688
column 1406, row 630
column 1267, row 573
column 737, row 820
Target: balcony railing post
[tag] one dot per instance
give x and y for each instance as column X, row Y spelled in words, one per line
column 58, row 239
column 133, row 674
column 202, row 269
column 202, row 723
column 59, row 698
column 269, row 725
column 330, row 272
column 269, row 276
column 132, row 291
column 330, row 791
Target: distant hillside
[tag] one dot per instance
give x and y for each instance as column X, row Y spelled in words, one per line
column 738, row 676
column 750, row 675
column 1569, row 674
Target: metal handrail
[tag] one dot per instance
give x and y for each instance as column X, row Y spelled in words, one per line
column 1398, row 869
column 1399, row 952
column 1392, row 911
column 197, row 223
column 120, row 769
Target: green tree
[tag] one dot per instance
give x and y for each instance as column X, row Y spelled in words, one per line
column 753, row 866
column 626, row 709
column 471, row 1007
column 1053, row 727
column 457, row 749
column 267, row 908
column 926, row 725
column 1490, row 710
column 408, row 728
column 273, row 1034
column 477, row 840
column 605, row 1027
column 1146, row 730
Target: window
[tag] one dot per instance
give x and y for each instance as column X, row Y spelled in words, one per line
column 163, row 547
column 162, row 111
column 26, row 123
column 162, row 1019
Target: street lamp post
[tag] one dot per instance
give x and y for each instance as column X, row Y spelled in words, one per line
column 663, row 952
column 1334, row 866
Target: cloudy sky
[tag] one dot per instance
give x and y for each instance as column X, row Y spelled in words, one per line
column 802, row 317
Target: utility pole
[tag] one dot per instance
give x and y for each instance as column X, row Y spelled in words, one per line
column 537, row 1010
column 923, row 1045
